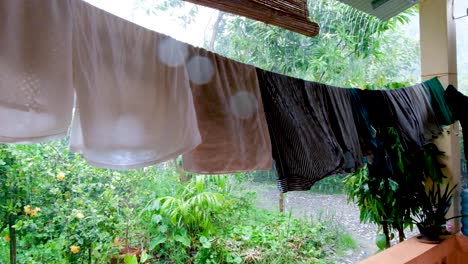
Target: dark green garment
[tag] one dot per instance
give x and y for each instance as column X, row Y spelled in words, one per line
column 441, row 109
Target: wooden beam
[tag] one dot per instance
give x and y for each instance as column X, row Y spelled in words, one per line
column 267, row 13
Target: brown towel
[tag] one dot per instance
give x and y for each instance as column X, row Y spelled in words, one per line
column 134, row 103
column 36, row 91
column 230, row 116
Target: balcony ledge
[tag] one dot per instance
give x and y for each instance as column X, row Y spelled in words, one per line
column 453, row 250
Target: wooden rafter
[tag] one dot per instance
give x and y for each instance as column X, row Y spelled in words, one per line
column 288, row 14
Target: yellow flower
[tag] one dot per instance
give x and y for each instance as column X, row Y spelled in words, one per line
column 60, row 176
column 7, row 237
column 116, row 242
column 27, row 209
column 34, row 211
column 75, row 249
column 80, row 215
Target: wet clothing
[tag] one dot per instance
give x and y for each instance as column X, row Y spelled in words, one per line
column 134, row 102
column 36, row 89
column 312, row 135
column 407, row 109
column 439, row 105
column 458, row 104
column 230, row 116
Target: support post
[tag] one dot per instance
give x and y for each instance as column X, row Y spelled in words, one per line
column 281, row 202
column 12, row 233
column 439, row 59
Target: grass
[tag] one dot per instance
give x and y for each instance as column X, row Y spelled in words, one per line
column 346, row 242
column 261, row 236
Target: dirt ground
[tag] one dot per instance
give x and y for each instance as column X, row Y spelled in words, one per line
column 326, row 208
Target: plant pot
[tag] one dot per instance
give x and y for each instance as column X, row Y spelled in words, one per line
column 431, row 233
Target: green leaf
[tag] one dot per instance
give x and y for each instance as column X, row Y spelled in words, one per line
column 156, row 219
column 205, row 242
column 155, row 205
column 19, row 225
column 130, row 259
column 162, row 228
column 185, row 240
column 158, row 240
column 144, row 257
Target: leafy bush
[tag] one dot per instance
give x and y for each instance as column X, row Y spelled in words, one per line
column 330, row 185
column 68, row 212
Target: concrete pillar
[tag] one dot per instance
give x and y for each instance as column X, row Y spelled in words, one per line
column 439, row 58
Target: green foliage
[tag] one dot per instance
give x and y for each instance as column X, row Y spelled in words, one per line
column 434, row 205
column 432, row 166
column 90, row 214
column 358, row 191
column 65, row 203
column 381, row 241
column 187, row 219
column 184, row 229
column 175, row 7
column 352, row 49
column 195, row 208
column 387, row 192
column 263, row 176
column 13, row 189
column 265, row 237
column 330, row 185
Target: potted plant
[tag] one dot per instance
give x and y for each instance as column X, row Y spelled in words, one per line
column 431, row 219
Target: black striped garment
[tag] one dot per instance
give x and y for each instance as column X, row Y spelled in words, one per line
column 312, row 128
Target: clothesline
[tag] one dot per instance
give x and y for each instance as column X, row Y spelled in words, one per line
column 144, row 98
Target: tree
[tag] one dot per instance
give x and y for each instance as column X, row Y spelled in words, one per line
column 13, row 192
column 352, row 49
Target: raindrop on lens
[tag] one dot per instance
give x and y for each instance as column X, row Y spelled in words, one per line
column 172, row 52
column 200, row 70
column 243, row 104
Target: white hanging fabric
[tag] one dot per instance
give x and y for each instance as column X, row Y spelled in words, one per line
column 36, row 92
column 134, row 103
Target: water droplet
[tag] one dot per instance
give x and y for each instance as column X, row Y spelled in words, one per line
column 243, row 104
column 200, row 70
column 172, row 52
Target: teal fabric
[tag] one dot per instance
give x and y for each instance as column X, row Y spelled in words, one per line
column 441, row 109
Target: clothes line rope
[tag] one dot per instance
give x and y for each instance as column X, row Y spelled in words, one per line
column 438, row 75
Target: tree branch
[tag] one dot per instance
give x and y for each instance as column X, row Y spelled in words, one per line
column 215, row 30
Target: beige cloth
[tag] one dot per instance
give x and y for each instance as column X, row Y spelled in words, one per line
column 232, row 123
column 134, row 103
column 36, row 92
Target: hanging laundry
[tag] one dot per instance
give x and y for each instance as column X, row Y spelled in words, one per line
column 458, row 103
column 340, row 111
column 441, row 109
column 36, row 91
column 230, row 115
column 312, row 129
column 134, row 103
column 412, row 115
